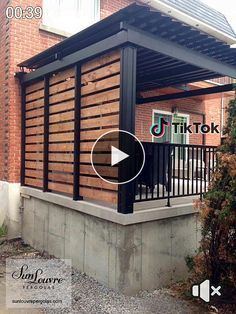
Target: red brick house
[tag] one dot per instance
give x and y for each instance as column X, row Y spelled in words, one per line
column 22, row 38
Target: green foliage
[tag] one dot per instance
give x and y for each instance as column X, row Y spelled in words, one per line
column 217, row 256
column 189, row 260
column 3, row 231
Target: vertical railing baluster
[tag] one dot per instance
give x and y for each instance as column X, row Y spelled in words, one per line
column 183, row 189
column 188, row 171
column 152, row 174
column 169, row 175
column 197, row 161
column 192, row 170
column 178, row 170
column 158, row 169
column 174, row 148
column 201, row 156
column 163, row 170
column 205, row 169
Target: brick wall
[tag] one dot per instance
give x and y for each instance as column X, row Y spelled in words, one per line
column 20, row 39
column 108, row 7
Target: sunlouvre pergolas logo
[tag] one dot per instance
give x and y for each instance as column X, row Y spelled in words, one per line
column 35, row 283
column 158, row 129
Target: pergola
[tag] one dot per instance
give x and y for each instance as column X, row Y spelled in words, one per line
column 155, row 51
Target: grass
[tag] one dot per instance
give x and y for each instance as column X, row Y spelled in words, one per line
column 3, row 231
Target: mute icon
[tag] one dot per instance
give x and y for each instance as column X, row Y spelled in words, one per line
column 204, row 291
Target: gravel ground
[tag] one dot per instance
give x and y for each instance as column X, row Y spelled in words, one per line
column 90, row 297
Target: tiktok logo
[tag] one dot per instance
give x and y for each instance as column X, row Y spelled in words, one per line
column 158, row 130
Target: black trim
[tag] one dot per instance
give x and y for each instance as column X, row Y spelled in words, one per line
column 76, row 175
column 23, row 116
column 46, row 134
column 78, row 56
column 126, row 192
column 192, row 93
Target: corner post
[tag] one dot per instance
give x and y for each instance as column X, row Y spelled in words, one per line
column 76, row 178
column 46, row 133
column 23, row 116
column 126, row 192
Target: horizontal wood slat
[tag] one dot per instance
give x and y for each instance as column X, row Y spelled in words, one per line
column 60, row 167
column 35, row 95
column 94, row 134
column 61, row 127
column 61, row 157
column 34, row 113
column 34, row 173
column 102, row 170
column 35, row 104
column 62, row 76
column 106, row 196
column 62, row 96
column 34, row 156
column 34, row 139
column 64, row 106
column 35, row 130
column 34, row 87
column 59, row 187
column 100, row 110
column 103, row 72
column 34, row 165
column 61, row 147
column 60, row 177
column 100, row 146
column 35, row 121
column 61, row 137
column 34, row 182
column 100, row 61
column 92, row 181
column 100, row 122
column 100, row 98
column 69, row 84
column 34, row 148
column 97, row 159
column 101, row 85
column 60, row 117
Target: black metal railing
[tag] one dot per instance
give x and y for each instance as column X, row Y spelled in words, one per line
column 174, row 170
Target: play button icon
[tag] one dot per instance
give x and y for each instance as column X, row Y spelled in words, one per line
column 117, row 157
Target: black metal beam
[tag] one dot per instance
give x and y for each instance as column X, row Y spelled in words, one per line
column 126, row 192
column 23, row 116
column 191, row 93
column 46, row 134
column 161, row 45
column 76, row 175
column 78, row 56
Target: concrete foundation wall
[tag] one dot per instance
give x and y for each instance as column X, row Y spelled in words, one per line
column 130, row 258
column 10, row 208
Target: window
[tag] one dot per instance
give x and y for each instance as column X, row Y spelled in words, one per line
column 170, row 136
column 70, row 16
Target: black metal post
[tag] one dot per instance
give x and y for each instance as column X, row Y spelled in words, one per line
column 46, row 134
column 76, row 178
column 23, row 116
column 126, row 192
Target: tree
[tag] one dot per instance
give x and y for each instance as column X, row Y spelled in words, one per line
column 216, row 259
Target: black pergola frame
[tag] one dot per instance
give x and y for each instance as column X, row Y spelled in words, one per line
column 129, row 39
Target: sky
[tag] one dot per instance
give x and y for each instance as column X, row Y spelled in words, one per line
column 227, row 7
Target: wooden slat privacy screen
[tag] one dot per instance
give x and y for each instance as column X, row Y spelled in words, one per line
column 100, row 92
